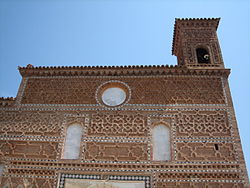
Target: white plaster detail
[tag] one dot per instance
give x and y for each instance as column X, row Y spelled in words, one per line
column 1, row 169
column 75, row 183
column 161, row 143
column 113, row 96
column 112, row 84
column 72, row 142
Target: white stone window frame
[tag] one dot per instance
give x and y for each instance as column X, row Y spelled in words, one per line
column 100, row 90
column 79, row 146
column 1, row 169
column 170, row 150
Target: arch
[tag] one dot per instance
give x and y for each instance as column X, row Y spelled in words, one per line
column 72, row 142
column 161, row 143
column 203, row 56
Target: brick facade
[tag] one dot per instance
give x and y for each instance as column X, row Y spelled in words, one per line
column 192, row 100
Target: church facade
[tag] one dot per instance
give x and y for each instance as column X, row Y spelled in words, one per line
column 126, row 126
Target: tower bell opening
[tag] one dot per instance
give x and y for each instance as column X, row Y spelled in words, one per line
column 202, row 56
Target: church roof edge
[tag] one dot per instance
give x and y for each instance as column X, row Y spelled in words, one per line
column 29, row 66
column 7, row 101
column 133, row 70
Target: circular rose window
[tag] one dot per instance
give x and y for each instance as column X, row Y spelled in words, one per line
column 113, row 93
column 113, row 96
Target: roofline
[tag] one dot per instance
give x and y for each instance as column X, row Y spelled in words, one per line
column 30, row 67
column 150, row 70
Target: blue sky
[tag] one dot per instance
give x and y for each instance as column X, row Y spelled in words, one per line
column 106, row 32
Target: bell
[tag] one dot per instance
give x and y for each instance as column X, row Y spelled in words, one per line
column 206, row 56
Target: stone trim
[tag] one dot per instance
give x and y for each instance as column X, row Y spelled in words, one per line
column 202, row 180
column 175, row 107
column 29, row 176
column 63, row 176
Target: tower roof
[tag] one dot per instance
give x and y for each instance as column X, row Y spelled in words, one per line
column 191, row 23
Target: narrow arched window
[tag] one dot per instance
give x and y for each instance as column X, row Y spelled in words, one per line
column 161, row 143
column 202, row 56
column 72, row 142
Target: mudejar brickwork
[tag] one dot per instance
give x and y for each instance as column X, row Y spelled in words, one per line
column 126, row 126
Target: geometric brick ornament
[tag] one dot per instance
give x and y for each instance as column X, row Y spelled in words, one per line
column 126, row 126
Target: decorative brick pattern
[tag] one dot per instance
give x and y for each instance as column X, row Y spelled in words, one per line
column 28, row 149
column 116, row 151
column 145, row 90
column 195, row 34
column 202, row 123
column 110, row 124
column 14, row 182
column 116, row 142
column 198, row 185
column 60, row 91
column 30, row 123
column 33, row 172
column 203, row 175
column 176, row 90
column 195, row 151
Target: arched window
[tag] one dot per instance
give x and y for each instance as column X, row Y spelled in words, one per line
column 161, row 143
column 72, row 142
column 202, row 56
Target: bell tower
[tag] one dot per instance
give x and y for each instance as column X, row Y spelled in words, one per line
column 196, row 44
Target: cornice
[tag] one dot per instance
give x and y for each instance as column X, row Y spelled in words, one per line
column 151, row 70
column 7, row 101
